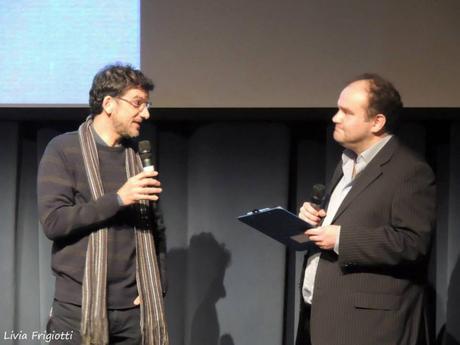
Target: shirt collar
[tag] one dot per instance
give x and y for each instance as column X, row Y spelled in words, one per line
column 364, row 158
column 372, row 151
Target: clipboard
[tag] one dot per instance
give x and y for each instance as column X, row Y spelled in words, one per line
column 279, row 224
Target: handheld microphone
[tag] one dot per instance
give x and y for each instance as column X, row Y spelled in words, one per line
column 317, row 195
column 147, row 164
column 146, row 155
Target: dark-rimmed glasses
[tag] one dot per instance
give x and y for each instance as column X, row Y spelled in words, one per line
column 138, row 104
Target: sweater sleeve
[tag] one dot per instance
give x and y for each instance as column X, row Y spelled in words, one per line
column 60, row 215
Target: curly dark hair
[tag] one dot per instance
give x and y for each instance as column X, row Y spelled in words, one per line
column 114, row 80
column 383, row 99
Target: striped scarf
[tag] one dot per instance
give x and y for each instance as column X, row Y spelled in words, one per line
column 94, row 321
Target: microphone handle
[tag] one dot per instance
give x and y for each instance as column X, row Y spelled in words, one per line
column 149, row 167
column 146, row 206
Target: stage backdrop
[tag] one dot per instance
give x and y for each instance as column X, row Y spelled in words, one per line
column 208, row 53
column 227, row 283
column 298, row 53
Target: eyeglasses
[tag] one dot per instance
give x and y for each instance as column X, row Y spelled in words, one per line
column 138, row 104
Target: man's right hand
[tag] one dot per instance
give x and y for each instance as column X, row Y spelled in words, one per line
column 310, row 214
column 142, row 186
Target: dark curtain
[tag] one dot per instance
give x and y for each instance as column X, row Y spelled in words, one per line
column 228, row 284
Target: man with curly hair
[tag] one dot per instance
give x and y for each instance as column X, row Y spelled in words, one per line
column 99, row 209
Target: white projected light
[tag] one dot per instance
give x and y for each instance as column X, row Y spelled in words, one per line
column 50, row 50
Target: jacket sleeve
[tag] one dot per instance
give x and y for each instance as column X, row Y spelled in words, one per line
column 405, row 240
column 60, row 215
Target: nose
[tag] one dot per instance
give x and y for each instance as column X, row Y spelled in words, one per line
column 337, row 117
column 145, row 114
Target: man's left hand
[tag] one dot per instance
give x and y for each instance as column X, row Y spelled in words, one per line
column 324, row 237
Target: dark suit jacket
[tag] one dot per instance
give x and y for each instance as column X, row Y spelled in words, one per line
column 372, row 293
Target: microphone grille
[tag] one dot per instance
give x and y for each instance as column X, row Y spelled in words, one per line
column 144, row 146
column 317, row 194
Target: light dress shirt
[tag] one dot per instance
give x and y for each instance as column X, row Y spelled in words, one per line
column 352, row 166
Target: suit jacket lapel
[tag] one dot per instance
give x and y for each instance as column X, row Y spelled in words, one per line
column 372, row 172
column 338, row 173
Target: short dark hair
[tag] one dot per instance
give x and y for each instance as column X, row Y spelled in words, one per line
column 114, row 80
column 383, row 99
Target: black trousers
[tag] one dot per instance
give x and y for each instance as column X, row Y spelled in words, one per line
column 303, row 329
column 64, row 325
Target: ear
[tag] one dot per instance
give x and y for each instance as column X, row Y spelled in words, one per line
column 108, row 104
column 379, row 122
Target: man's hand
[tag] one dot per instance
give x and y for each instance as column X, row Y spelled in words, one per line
column 324, row 237
column 142, row 186
column 137, row 301
column 310, row 214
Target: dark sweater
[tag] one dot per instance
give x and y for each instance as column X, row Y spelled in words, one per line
column 68, row 215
